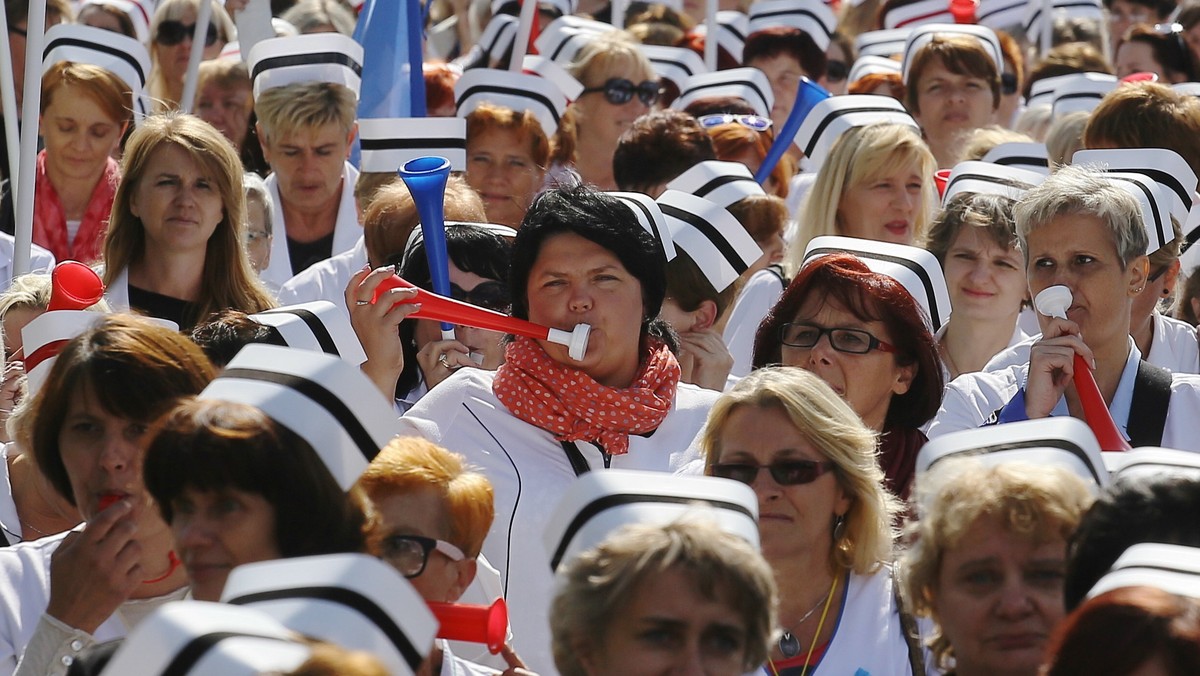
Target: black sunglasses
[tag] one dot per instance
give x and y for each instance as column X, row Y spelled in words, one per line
column 491, row 295
column 1008, row 83
column 785, row 472
column 836, row 71
column 619, row 91
column 171, row 33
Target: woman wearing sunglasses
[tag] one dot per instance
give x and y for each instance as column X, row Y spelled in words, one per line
column 171, row 31
column 863, row 334
column 619, row 86
column 824, row 519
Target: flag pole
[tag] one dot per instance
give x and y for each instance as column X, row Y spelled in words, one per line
column 710, row 36
column 35, row 40
column 203, row 19
column 524, row 29
column 8, row 101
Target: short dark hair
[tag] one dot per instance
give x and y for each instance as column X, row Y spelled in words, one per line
column 1158, row 509
column 135, row 369
column 658, row 147
column 595, row 216
column 788, row 41
column 870, row 296
column 210, row 445
column 1169, row 50
column 1161, row 8
column 225, row 333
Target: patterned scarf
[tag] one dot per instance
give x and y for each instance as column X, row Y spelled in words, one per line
column 573, row 407
column 50, row 222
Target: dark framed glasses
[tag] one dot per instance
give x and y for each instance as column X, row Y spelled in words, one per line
column 836, row 71
column 409, row 554
column 852, row 341
column 619, row 91
column 491, row 295
column 784, row 472
column 171, row 33
column 1008, row 83
column 755, row 122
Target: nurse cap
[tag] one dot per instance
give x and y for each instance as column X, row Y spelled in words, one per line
column 352, row 600
column 598, row 503
column 46, row 336
column 563, row 6
column 652, row 220
column 1174, row 569
column 710, row 235
column 836, row 115
column 1187, row 88
column 317, row 57
column 915, row 269
column 923, row 35
column 1081, row 91
column 1152, row 461
column 518, row 91
column 676, row 64
column 1069, row 9
column 732, row 29
column 322, row 399
column 811, row 16
column 318, row 326
column 724, row 183
column 1153, row 203
column 913, row 14
column 562, row 38
column 198, row 638
column 748, row 84
column 885, row 43
column 498, row 36
column 1064, row 442
column 119, row 54
column 986, row 178
column 1029, row 156
column 1000, row 14
column 387, row 143
column 870, row 65
column 543, row 67
column 1165, row 167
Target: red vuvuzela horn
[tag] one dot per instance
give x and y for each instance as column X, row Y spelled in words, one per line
column 74, row 286
column 474, row 624
column 442, row 309
column 1053, row 302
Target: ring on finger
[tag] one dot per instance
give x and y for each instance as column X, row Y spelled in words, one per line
column 362, row 302
column 443, row 362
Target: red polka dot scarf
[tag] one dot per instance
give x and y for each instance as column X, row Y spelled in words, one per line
column 573, row 407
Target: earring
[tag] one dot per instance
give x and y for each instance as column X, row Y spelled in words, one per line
column 1166, row 292
column 839, row 527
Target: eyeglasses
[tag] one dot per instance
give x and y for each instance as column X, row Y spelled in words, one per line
column 171, row 33
column 836, row 71
column 852, row 341
column 409, row 554
column 1008, row 83
column 754, row 122
column 491, row 295
column 785, row 473
column 619, row 91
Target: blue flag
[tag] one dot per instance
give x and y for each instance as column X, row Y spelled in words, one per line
column 391, row 33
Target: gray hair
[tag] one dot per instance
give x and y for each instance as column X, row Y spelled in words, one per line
column 314, row 16
column 1082, row 190
column 257, row 193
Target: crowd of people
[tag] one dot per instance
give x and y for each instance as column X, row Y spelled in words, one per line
column 867, row 347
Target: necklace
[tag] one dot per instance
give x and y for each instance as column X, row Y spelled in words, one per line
column 789, row 645
column 25, row 524
column 816, row 637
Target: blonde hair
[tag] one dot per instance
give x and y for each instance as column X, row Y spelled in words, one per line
column 172, row 10
column 304, row 105
column 860, row 156
column 410, row 464
column 830, row 425
column 228, row 282
column 392, row 215
column 981, row 141
column 1036, row 502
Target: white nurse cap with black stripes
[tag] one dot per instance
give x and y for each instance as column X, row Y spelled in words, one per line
column 119, row 54
column 517, row 91
column 316, row 57
column 716, row 241
column 914, row 14
column 599, row 503
column 1080, row 92
column 836, row 115
column 1162, row 165
column 732, row 28
column 1153, row 461
column 924, row 34
column 748, row 84
column 198, row 638
column 352, row 600
column 676, row 64
column 725, row 183
column 811, row 16
column 1174, row 569
column 885, row 43
column 917, row 270
column 387, row 143
column 986, row 178
column 1029, row 156
column 322, row 398
column 651, row 218
column 319, row 326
